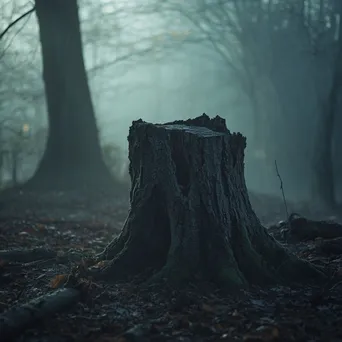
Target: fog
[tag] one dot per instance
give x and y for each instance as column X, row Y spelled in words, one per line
column 266, row 70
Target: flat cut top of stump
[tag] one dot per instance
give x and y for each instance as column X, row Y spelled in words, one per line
column 196, row 130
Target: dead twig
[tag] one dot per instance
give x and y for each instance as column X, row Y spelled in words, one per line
column 283, row 193
column 2, row 34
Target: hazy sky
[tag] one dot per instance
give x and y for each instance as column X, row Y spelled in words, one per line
column 264, row 73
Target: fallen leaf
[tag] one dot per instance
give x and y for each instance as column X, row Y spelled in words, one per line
column 58, row 281
column 208, row 308
column 263, row 334
column 40, row 226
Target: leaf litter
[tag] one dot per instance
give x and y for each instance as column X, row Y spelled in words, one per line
column 58, row 247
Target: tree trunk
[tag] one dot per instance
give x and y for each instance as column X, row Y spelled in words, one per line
column 14, row 166
column 324, row 180
column 190, row 215
column 323, row 165
column 72, row 158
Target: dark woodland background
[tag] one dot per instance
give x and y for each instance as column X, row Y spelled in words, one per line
column 270, row 68
column 115, row 227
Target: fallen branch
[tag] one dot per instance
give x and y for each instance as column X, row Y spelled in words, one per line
column 331, row 246
column 304, row 229
column 28, row 255
column 18, row 318
column 298, row 228
column 23, row 259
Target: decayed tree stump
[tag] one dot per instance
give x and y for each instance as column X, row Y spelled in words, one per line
column 190, row 214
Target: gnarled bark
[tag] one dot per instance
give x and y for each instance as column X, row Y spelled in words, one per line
column 190, row 214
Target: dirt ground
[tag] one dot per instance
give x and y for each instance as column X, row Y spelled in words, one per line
column 68, row 224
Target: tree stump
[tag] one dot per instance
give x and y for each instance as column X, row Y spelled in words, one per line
column 190, row 215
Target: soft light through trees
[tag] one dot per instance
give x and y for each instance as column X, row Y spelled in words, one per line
column 264, row 65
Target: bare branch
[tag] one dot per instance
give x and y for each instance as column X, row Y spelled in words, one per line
column 151, row 48
column 2, row 34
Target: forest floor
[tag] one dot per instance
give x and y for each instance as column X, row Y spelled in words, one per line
column 60, row 223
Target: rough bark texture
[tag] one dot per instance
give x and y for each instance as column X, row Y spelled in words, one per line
column 73, row 157
column 190, row 215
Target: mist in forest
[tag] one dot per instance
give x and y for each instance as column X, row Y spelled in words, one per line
column 265, row 66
